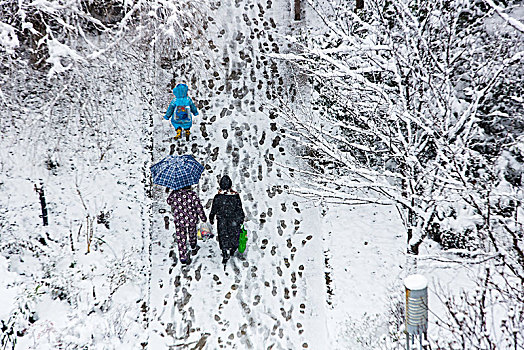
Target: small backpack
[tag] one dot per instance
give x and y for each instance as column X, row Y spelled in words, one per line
column 182, row 112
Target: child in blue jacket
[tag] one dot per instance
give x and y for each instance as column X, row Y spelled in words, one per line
column 180, row 110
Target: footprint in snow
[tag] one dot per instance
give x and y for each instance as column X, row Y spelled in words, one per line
column 235, row 158
column 301, row 269
column 276, row 141
column 286, row 293
column 194, row 149
column 273, row 250
column 262, row 218
column 308, row 238
column 262, row 138
column 198, row 273
column 229, row 147
column 286, row 263
column 214, row 155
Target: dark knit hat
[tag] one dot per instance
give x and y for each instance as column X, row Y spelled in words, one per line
column 225, row 183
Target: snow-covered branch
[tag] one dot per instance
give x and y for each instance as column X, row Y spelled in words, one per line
column 511, row 21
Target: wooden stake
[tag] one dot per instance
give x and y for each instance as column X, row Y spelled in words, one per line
column 40, row 191
column 297, row 10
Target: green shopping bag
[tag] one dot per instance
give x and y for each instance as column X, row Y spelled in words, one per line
column 243, row 239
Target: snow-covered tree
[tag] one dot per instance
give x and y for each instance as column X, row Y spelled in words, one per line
column 404, row 98
column 417, row 104
column 54, row 33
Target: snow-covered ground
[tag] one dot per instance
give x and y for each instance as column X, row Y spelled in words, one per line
column 312, row 277
column 364, row 250
column 54, row 293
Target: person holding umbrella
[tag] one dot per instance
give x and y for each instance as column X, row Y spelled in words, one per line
column 227, row 207
column 179, row 173
column 187, row 209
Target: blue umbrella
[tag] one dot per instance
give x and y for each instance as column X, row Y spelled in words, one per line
column 177, row 172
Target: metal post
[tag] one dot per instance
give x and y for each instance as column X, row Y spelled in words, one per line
column 43, row 204
column 416, row 309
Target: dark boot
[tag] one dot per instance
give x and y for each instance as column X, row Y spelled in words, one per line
column 195, row 249
column 232, row 252
column 187, row 134
column 225, row 256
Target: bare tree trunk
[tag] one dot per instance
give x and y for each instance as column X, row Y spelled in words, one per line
column 40, row 191
column 409, row 214
column 360, row 4
column 297, row 10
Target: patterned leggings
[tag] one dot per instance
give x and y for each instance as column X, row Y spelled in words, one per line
column 181, row 237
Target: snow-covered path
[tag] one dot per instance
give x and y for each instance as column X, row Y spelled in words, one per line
column 280, row 294
column 88, row 258
column 303, row 275
column 261, row 300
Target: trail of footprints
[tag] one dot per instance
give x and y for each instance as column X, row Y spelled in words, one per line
column 249, row 294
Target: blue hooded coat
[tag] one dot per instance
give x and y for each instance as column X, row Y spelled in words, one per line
column 181, row 99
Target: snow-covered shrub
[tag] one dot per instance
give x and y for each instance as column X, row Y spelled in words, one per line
column 396, row 317
column 103, row 218
column 512, row 164
column 20, row 319
column 376, row 331
column 368, row 332
column 458, row 240
column 456, row 227
column 491, row 316
column 51, row 164
column 108, row 13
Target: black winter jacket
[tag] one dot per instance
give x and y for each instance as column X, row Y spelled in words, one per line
column 227, row 207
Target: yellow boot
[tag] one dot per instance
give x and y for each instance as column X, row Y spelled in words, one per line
column 178, row 133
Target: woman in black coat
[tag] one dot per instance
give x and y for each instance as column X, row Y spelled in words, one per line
column 227, row 207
